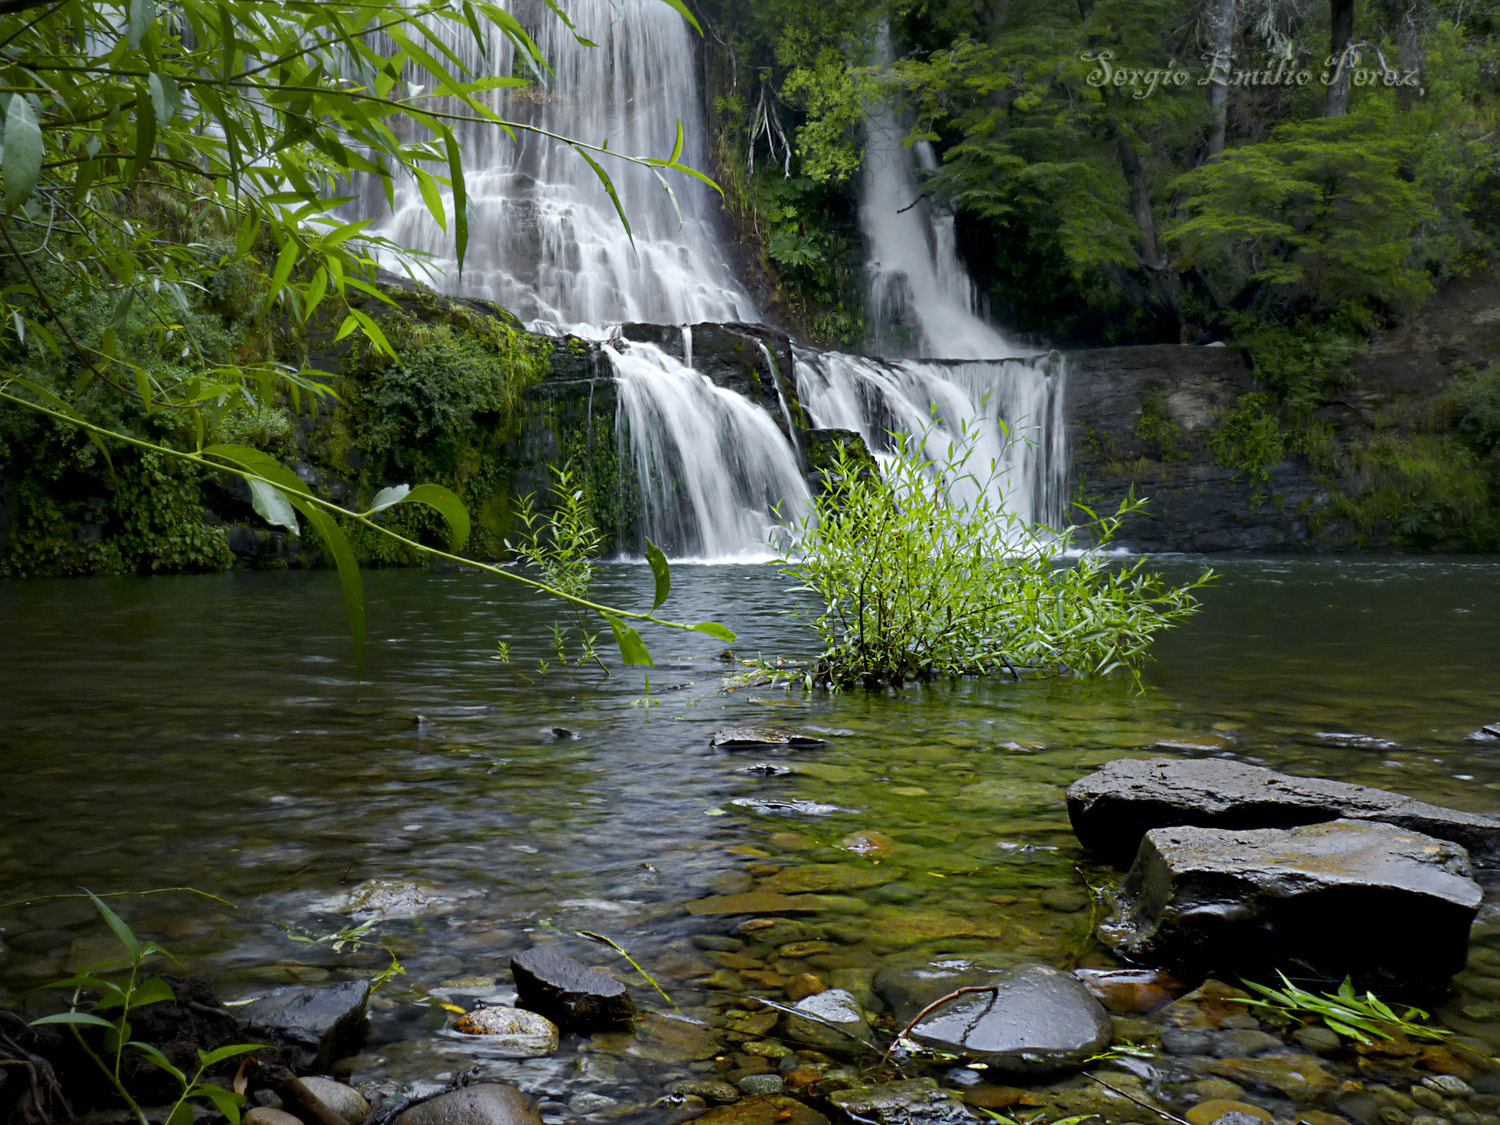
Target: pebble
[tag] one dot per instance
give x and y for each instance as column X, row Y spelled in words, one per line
column 1428, row 1119
column 1318, row 1039
column 761, row 1084
column 264, row 1115
column 345, row 1101
column 1227, row 1112
column 718, row 943
column 803, row 985
column 1452, row 1086
column 1239, row 1044
column 681, row 1108
column 1427, row 1098
column 590, row 1103
column 1184, row 1041
column 767, row 1049
column 708, row 1089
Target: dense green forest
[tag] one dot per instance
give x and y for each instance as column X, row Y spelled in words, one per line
column 1112, row 181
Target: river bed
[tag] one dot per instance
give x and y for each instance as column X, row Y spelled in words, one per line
column 207, row 732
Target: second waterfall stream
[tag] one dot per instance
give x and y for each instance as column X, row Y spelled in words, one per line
column 545, row 242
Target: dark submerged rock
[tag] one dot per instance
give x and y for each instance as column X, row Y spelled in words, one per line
column 486, row 1104
column 909, row 983
column 1390, row 907
column 1037, row 1020
column 1112, row 808
column 915, row 1102
column 318, row 1024
column 568, row 993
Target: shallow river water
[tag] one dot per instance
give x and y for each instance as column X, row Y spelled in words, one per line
column 208, row 732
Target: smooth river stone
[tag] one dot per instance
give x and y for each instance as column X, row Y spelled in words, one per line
column 1038, row 1020
column 568, row 993
column 1114, row 807
column 1387, row 906
column 821, row 877
column 488, row 1103
column 513, row 1030
column 839, row 1026
column 917, row 1101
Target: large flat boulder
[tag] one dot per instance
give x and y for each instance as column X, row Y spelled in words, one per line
column 1112, row 808
column 1387, row 906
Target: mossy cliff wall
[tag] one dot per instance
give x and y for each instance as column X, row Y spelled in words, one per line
column 1401, row 449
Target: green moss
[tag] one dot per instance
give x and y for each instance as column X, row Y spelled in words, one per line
column 1421, row 490
column 1157, row 429
column 1248, row 439
column 147, row 519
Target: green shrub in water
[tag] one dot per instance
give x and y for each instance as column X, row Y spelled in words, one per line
column 916, row 582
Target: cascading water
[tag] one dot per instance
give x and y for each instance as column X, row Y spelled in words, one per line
column 1009, row 412
column 711, row 465
column 921, row 298
column 545, row 240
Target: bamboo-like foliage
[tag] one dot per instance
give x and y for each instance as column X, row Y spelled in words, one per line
column 921, row 573
column 253, row 118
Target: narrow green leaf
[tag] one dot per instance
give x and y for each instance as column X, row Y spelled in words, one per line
column 219, row 1054
column 661, row 572
column 157, row 1059
column 153, row 991
column 449, row 506
column 127, row 937
column 632, row 648
column 74, row 1017
column 676, row 145
column 679, row 6
column 225, row 1101
column 271, row 505
column 714, row 629
column 285, row 262
column 388, row 496
column 145, row 132
column 337, row 543
column 609, row 188
column 432, row 197
column 22, row 162
column 142, row 13
column 460, row 196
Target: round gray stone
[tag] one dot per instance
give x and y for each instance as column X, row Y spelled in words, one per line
column 1036, row 1020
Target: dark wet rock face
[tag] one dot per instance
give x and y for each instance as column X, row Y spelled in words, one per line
column 486, row 1104
column 569, row 994
column 318, row 1024
column 916, row 1102
column 1390, row 907
column 909, row 983
column 1036, row 1020
column 1114, row 807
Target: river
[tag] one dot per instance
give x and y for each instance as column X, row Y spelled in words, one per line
column 207, row 732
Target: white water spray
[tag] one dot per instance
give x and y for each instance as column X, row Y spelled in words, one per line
column 711, row 466
column 545, row 240
column 921, row 298
column 1010, row 411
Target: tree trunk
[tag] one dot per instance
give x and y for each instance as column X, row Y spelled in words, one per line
column 1410, row 54
column 1336, row 100
column 1222, row 23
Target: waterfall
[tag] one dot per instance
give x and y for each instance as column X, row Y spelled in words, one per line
column 545, row 242
column 544, row 238
column 1011, row 411
column 711, row 466
column 921, row 299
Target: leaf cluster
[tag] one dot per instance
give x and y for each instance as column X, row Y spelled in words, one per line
column 1361, row 1018
column 921, row 572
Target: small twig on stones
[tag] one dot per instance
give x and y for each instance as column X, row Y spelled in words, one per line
column 1131, row 1097
column 939, row 1002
